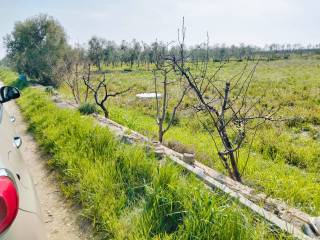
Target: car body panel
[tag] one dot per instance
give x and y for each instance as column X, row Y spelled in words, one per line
column 10, row 158
column 28, row 224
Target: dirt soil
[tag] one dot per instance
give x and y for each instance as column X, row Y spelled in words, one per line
column 62, row 219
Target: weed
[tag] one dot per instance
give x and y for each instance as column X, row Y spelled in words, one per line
column 87, row 108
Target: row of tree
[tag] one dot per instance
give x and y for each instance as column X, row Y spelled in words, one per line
column 38, row 47
column 102, row 51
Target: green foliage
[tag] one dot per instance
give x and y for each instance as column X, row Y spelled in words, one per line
column 12, row 79
column 123, row 191
column 5, row 62
column 36, row 46
column 50, row 90
column 87, row 108
column 95, row 51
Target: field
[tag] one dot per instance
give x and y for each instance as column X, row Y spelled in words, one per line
column 284, row 161
column 121, row 188
column 249, row 112
column 146, row 201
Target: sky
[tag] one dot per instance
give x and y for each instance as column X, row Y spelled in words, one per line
column 255, row 22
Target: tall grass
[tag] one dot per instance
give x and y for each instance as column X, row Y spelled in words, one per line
column 122, row 189
column 284, row 161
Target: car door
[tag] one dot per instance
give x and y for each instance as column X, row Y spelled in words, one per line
column 10, row 158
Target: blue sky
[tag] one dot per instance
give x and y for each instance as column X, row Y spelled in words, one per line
column 257, row 22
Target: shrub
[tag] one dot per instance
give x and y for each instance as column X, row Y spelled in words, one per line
column 50, row 90
column 292, row 157
column 296, row 121
column 179, row 147
column 87, row 108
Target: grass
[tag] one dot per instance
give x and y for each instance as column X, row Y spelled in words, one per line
column 284, row 162
column 122, row 189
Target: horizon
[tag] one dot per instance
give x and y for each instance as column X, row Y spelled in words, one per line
column 258, row 23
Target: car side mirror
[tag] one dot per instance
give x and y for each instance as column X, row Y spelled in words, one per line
column 8, row 93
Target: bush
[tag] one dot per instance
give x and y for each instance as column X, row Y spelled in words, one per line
column 292, row 157
column 179, row 147
column 50, row 90
column 87, row 108
column 296, row 121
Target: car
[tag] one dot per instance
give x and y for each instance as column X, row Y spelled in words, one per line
column 20, row 213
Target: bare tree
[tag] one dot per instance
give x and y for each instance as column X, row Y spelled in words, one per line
column 101, row 92
column 227, row 105
column 72, row 80
column 71, row 70
column 162, row 104
column 86, row 77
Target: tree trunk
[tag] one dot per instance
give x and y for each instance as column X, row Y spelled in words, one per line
column 236, row 173
column 160, row 133
column 86, row 94
column 99, row 65
column 105, row 110
column 226, row 142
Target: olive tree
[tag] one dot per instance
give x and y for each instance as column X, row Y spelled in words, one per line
column 36, row 46
column 96, row 51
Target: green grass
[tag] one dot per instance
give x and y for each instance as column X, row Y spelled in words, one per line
column 285, row 159
column 122, row 189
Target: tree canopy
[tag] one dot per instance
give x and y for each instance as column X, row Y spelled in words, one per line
column 36, row 46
